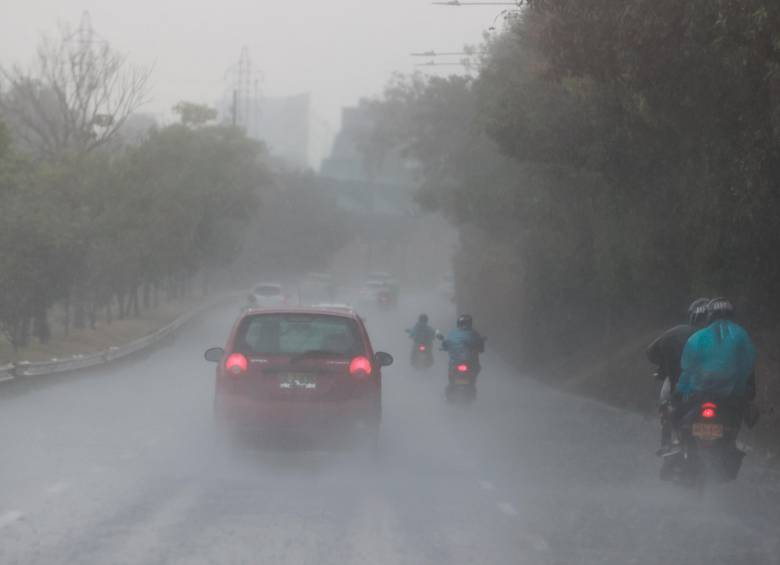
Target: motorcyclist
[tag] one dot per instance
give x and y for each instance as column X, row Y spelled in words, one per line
column 666, row 353
column 464, row 344
column 718, row 362
column 422, row 333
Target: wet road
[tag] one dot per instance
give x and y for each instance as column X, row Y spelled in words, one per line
column 122, row 466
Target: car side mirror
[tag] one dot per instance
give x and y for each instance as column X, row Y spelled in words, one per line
column 383, row 359
column 214, row 355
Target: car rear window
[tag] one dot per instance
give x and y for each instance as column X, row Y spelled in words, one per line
column 296, row 334
column 268, row 290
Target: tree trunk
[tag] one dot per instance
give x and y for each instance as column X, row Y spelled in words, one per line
column 41, row 328
column 66, row 321
column 23, row 335
column 79, row 315
column 135, row 303
column 147, row 296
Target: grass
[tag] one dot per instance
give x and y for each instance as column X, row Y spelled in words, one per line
column 105, row 335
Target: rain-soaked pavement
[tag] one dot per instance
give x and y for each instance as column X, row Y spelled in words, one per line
column 121, row 466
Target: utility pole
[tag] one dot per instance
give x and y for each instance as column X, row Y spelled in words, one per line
column 244, row 83
column 467, row 58
column 82, row 58
column 457, row 3
column 234, row 108
column 506, row 13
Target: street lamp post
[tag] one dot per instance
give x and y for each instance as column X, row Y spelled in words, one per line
column 459, row 3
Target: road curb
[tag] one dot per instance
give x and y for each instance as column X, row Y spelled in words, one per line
column 27, row 369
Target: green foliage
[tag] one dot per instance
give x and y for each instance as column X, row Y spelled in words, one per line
column 94, row 230
column 612, row 160
column 192, row 114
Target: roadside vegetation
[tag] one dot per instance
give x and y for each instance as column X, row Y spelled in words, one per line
column 102, row 221
column 609, row 162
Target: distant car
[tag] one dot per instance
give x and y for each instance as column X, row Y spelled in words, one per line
column 371, row 289
column 302, row 368
column 267, row 295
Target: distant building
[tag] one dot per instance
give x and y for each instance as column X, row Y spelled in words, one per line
column 383, row 186
column 282, row 123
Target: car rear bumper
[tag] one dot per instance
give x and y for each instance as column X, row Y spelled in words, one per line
column 246, row 413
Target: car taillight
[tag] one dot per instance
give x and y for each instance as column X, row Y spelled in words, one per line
column 422, row 348
column 463, row 368
column 236, row 364
column 708, row 410
column 360, row 368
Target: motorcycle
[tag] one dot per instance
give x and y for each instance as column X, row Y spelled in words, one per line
column 462, row 380
column 462, row 385
column 706, row 450
column 422, row 356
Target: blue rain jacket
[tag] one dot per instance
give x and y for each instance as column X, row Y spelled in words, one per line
column 464, row 346
column 422, row 333
column 718, row 361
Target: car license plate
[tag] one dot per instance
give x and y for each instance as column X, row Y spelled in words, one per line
column 462, row 382
column 295, row 381
column 707, row 431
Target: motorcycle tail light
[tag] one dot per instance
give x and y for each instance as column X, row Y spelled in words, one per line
column 708, row 410
column 463, row 368
column 422, row 348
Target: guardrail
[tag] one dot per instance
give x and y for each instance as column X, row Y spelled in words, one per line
column 6, row 372
column 79, row 362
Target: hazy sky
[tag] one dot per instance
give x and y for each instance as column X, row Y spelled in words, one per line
column 339, row 50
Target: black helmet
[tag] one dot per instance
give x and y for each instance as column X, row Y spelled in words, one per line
column 697, row 312
column 720, row 309
column 465, row 322
column 423, row 319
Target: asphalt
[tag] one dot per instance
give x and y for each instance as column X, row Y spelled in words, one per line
column 122, row 465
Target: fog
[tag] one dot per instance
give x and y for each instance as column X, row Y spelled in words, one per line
column 202, row 282
column 124, row 465
column 339, row 51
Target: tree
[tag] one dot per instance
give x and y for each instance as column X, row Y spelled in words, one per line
column 608, row 153
column 76, row 96
column 195, row 115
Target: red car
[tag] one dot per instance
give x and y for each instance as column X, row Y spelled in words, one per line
column 299, row 368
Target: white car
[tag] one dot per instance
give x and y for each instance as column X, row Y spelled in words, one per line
column 370, row 289
column 268, row 295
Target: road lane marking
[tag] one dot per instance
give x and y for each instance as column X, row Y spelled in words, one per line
column 486, row 485
column 9, row 518
column 507, row 508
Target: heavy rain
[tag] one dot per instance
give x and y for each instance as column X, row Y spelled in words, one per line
column 387, row 283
